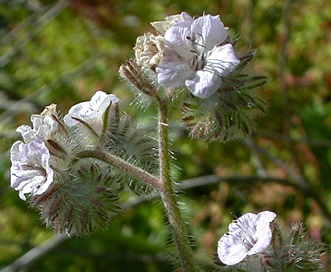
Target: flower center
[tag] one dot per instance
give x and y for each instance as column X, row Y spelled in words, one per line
column 247, row 237
column 199, row 53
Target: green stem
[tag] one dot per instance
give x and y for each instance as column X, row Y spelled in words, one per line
column 168, row 194
column 123, row 165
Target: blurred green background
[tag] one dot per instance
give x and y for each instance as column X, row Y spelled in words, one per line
column 63, row 51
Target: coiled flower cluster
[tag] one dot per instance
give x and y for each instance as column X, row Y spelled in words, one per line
column 77, row 193
column 197, row 58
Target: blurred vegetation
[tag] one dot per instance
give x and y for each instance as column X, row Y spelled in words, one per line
column 63, row 51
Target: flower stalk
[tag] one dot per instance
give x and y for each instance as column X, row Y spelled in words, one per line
column 168, row 193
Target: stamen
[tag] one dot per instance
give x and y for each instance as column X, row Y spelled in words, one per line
column 198, row 61
column 248, row 236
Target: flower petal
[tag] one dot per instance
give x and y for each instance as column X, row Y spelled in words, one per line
column 222, row 59
column 230, row 250
column 245, row 221
column 92, row 111
column 209, row 31
column 249, row 234
column 263, row 219
column 263, row 232
column 172, row 73
column 100, row 100
column 44, row 125
column 177, row 44
column 27, row 133
column 186, row 17
column 204, row 84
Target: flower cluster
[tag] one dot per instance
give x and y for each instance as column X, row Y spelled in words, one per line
column 188, row 52
column 32, row 172
column 196, row 56
column 74, row 192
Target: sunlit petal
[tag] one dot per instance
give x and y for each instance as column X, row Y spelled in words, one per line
column 204, row 84
column 91, row 111
column 222, row 59
column 210, row 30
column 30, row 171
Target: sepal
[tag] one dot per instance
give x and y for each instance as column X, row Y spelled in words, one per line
column 81, row 201
column 142, row 81
column 222, row 116
column 227, row 114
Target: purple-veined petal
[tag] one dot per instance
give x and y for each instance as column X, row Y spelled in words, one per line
column 30, row 171
column 222, row 59
column 263, row 232
column 173, row 73
column 177, row 43
column 230, row 250
column 204, row 84
column 209, row 31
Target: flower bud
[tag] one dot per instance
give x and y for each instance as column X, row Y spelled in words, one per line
column 138, row 78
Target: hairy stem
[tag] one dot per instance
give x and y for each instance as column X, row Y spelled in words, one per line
column 168, row 194
column 123, row 165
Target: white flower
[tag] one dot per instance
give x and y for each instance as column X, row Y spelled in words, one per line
column 249, row 234
column 44, row 125
column 30, row 171
column 91, row 112
column 194, row 55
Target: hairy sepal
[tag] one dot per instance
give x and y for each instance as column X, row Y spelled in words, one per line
column 228, row 113
column 81, row 201
column 142, row 81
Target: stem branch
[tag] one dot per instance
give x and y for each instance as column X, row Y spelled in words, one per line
column 123, row 165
